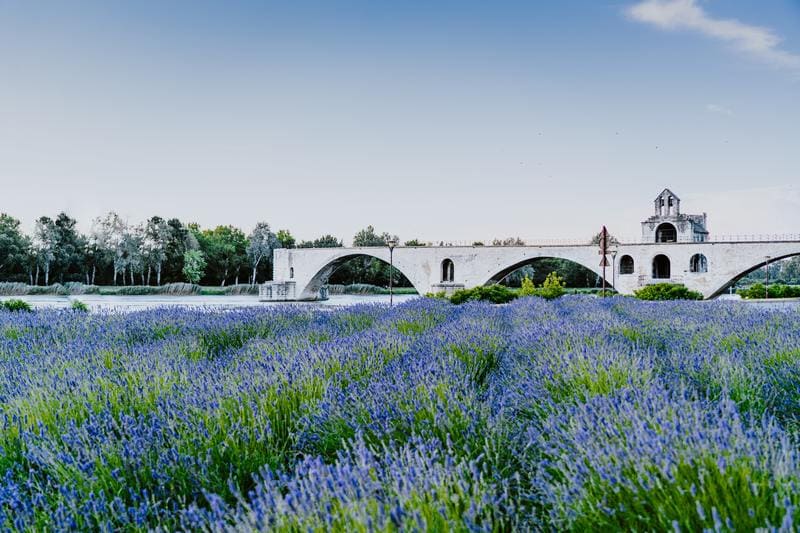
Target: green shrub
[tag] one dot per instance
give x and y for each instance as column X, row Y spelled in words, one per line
column 528, row 288
column 497, row 294
column 553, row 287
column 16, row 305
column 757, row 290
column 441, row 295
column 78, row 305
column 667, row 291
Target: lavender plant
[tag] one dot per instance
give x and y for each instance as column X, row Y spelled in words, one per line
column 571, row 414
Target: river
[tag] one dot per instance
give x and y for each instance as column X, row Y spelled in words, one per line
column 130, row 303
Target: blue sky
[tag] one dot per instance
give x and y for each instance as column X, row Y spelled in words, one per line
column 446, row 121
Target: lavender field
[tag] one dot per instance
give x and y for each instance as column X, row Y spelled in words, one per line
column 575, row 414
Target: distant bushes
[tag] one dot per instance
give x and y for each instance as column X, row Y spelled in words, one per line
column 497, row 294
column 241, row 288
column 366, row 289
column 12, row 288
column 76, row 289
column 667, row 291
column 757, row 290
column 553, row 287
column 172, row 289
column 56, row 289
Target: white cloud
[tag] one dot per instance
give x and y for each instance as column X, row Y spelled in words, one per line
column 756, row 41
column 716, row 108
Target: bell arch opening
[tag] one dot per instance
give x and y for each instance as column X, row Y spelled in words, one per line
column 666, row 232
column 661, row 267
column 574, row 274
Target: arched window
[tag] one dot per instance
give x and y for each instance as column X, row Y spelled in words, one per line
column 666, row 233
column 661, row 268
column 291, row 272
column 698, row 264
column 448, row 271
column 626, row 265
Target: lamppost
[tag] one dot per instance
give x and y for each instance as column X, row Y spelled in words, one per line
column 766, row 285
column 614, row 269
column 391, row 243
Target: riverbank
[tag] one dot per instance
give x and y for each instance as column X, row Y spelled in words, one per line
column 98, row 302
column 80, row 289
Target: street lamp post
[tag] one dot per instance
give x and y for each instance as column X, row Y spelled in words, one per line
column 391, row 243
column 766, row 285
column 614, row 269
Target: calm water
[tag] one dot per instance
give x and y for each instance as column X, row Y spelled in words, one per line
column 148, row 302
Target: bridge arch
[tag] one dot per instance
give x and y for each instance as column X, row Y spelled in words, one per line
column 504, row 272
column 726, row 285
column 311, row 290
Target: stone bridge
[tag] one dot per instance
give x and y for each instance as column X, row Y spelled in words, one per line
column 708, row 267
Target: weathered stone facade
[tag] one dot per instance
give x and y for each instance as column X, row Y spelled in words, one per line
column 685, row 256
column 668, row 224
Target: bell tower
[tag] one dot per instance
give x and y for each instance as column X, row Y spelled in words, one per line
column 667, row 204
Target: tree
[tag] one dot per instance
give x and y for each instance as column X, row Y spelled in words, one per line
column 508, row 241
column 70, row 253
column 156, row 239
column 285, row 238
column 368, row 237
column 132, row 250
column 93, row 258
column 109, row 236
column 179, row 240
column 261, row 244
column 194, row 266
column 14, row 247
column 612, row 241
column 225, row 248
column 414, row 242
column 45, row 246
column 326, row 241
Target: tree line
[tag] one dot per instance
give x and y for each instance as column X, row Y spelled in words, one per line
column 154, row 252
column 160, row 250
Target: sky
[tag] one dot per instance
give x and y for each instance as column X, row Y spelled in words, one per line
column 454, row 121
